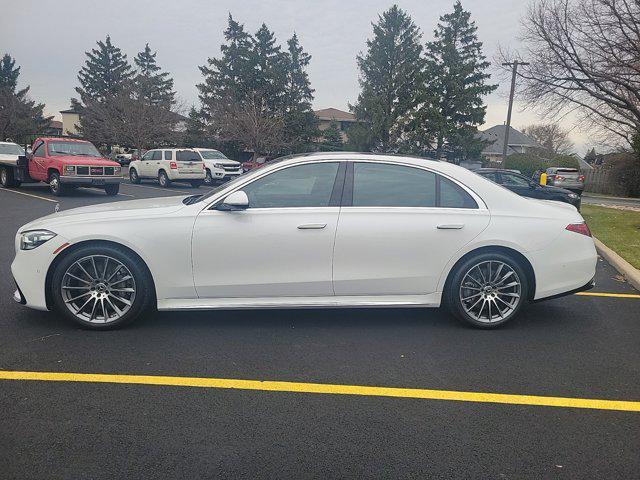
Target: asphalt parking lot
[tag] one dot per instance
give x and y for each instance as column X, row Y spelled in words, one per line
column 580, row 347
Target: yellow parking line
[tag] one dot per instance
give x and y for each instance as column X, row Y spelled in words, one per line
column 29, row 195
column 324, row 388
column 613, row 295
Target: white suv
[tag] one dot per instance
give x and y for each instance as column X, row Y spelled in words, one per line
column 169, row 165
column 218, row 166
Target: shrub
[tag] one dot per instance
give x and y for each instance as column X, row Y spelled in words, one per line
column 528, row 163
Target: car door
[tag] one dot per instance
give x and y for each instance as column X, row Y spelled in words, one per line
column 144, row 165
column 37, row 162
column 281, row 245
column 399, row 225
column 519, row 184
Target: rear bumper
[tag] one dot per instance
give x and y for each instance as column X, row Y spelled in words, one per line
column 89, row 181
column 584, row 288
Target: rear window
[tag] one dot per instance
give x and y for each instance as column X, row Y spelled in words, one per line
column 11, row 149
column 187, row 156
column 567, row 170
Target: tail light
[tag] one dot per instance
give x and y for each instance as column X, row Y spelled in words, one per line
column 173, row 165
column 558, row 178
column 581, row 178
column 580, row 228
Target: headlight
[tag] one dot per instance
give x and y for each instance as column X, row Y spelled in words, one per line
column 572, row 195
column 70, row 170
column 218, row 165
column 34, row 238
column 117, row 170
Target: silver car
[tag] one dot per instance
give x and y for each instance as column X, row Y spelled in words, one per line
column 569, row 178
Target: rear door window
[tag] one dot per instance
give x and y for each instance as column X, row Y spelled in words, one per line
column 386, row 185
column 168, row 155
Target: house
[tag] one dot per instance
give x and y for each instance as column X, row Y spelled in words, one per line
column 54, row 128
column 518, row 142
column 70, row 120
column 343, row 119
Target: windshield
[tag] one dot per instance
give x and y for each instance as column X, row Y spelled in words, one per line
column 84, row 149
column 213, row 155
column 11, row 149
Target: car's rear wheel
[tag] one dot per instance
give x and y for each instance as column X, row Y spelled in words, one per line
column 163, row 179
column 56, row 187
column 487, row 290
column 101, row 287
column 133, row 176
column 7, row 179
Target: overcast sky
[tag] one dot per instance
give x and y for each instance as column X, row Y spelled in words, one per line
column 48, row 40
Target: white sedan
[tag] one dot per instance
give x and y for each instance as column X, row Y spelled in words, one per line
column 316, row 230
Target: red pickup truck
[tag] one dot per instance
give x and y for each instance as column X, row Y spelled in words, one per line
column 63, row 163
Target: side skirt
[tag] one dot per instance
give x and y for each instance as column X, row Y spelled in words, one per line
column 394, row 301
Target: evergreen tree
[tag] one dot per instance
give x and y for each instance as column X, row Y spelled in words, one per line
column 332, row 139
column 230, row 76
column 195, row 133
column 152, row 85
column 391, row 76
column 19, row 115
column 456, row 84
column 270, row 69
column 106, row 72
column 301, row 124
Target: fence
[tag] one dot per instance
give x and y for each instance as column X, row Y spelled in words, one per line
column 602, row 181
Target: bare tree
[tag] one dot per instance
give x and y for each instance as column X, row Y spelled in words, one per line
column 552, row 138
column 250, row 124
column 584, row 56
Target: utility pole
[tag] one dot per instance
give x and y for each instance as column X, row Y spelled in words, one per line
column 514, row 72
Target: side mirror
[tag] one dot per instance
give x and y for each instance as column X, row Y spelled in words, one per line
column 234, row 202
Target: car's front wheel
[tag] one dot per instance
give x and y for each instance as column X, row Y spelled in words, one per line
column 101, row 287
column 133, row 176
column 487, row 290
column 112, row 189
column 163, row 179
column 56, row 187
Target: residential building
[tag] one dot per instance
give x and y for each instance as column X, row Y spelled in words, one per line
column 343, row 119
column 518, row 142
column 70, row 120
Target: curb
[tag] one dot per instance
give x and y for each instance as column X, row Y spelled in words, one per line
column 630, row 273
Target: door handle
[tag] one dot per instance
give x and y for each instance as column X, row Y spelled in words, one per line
column 450, row 226
column 312, row 226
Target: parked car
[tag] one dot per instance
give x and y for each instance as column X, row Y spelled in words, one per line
column 411, row 232
column 63, row 163
column 255, row 163
column 218, row 160
column 569, row 178
column 216, row 163
column 123, row 159
column 169, row 165
column 528, row 188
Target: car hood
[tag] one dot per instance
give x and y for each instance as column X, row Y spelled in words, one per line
column 8, row 157
column 109, row 211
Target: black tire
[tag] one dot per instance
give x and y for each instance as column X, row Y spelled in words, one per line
column 57, row 188
column 6, row 177
column 163, row 179
column 196, row 183
column 143, row 285
column 112, row 189
column 452, row 296
column 133, row 176
column 208, row 179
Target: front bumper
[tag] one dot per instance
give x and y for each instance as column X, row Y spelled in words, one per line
column 230, row 175
column 89, row 181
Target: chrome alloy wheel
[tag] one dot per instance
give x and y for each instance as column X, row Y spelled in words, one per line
column 98, row 289
column 490, row 291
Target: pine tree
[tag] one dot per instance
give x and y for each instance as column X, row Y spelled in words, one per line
column 152, row 85
column 332, row 139
column 19, row 115
column 391, row 76
column 230, row 76
column 106, row 72
column 301, row 124
column 270, row 69
column 195, row 134
column 456, row 84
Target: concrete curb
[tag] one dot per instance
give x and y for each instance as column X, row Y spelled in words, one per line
column 630, row 273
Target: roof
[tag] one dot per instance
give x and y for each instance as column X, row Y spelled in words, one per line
column 496, row 134
column 55, row 124
column 335, row 114
column 70, row 110
column 64, row 139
